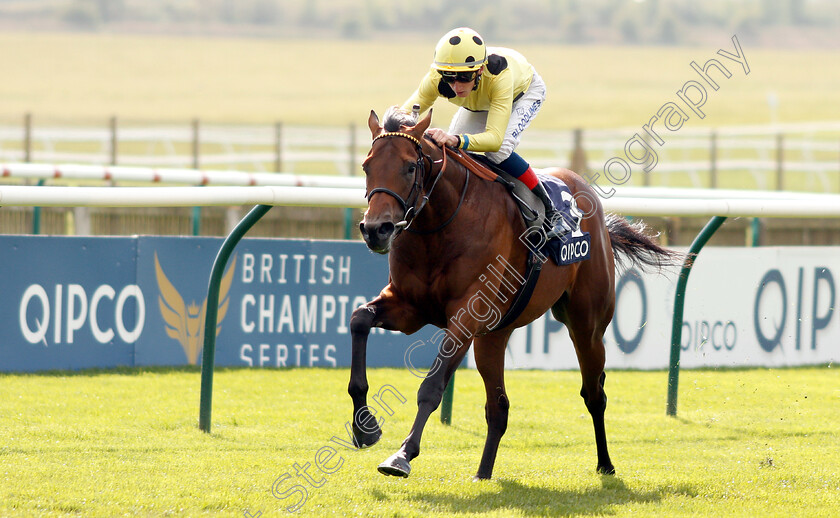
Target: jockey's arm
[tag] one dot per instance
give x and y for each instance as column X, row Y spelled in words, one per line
column 498, row 116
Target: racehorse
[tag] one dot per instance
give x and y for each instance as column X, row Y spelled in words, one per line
column 442, row 231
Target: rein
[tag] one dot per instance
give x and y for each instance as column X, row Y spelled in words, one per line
column 410, row 207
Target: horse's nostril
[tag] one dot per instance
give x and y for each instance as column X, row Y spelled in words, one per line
column 385, row 230
column 362, row 229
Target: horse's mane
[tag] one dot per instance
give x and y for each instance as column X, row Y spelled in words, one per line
column 395, row 117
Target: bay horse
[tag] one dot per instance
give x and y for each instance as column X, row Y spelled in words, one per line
column 442, row 231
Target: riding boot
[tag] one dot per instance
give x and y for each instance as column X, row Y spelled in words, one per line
column 555, row 224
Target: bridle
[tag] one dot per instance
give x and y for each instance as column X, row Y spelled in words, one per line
column 411, row 208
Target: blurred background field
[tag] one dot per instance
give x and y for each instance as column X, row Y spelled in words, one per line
column 607, row 63
column 86, row 78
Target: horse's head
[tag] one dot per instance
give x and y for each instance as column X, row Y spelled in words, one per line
column 395, row 170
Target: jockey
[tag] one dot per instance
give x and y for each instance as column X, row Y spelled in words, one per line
column 499, row 93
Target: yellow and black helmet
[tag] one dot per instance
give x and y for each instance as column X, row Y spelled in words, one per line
column 460, row 50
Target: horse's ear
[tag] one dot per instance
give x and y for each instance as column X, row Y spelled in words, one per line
column 422, row 126
column 373, row 124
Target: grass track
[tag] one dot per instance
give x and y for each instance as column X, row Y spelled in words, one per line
column 746, row 443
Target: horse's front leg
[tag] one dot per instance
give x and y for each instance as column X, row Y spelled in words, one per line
column 366, row 430
column 451, row 352
column 384, row 311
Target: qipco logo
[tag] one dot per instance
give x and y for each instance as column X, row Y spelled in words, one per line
column 772, row 302
column 702, row 334
column 106, row 313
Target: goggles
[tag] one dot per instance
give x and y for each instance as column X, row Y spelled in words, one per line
column 460, row 77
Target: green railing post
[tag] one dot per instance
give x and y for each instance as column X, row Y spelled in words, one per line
column 755, row 232
column 349, row 226
column 196, row 221
column 36, row 214
column 36, row 220
column 209, row 352
column 679, row 305
column 446, row 402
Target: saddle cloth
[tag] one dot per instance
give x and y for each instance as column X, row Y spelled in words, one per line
column 574, row 245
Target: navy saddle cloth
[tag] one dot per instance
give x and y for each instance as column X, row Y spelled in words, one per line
column 574, row 245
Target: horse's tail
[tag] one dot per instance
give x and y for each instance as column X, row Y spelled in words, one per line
column 631, row 241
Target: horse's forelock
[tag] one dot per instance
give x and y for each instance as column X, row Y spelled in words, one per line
column 396, row 117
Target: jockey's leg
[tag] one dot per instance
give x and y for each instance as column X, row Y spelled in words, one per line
column 525, row 108
column 517, row 167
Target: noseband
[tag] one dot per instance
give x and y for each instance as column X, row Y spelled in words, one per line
column 410, row 205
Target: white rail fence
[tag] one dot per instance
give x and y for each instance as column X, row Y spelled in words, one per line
column 785, row 205
column 234, row 189
column 112, row 175
column 801, row 156
column 116, row 174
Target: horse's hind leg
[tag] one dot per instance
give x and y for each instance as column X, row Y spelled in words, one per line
column 596, row 403
column 587, row 332
column 489, row 353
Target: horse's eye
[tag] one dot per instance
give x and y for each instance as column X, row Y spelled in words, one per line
column 412, row 168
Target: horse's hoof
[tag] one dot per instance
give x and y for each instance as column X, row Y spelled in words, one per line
column 364, row 439
column 606, row 470
column 479, row 478
column 395, row 466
